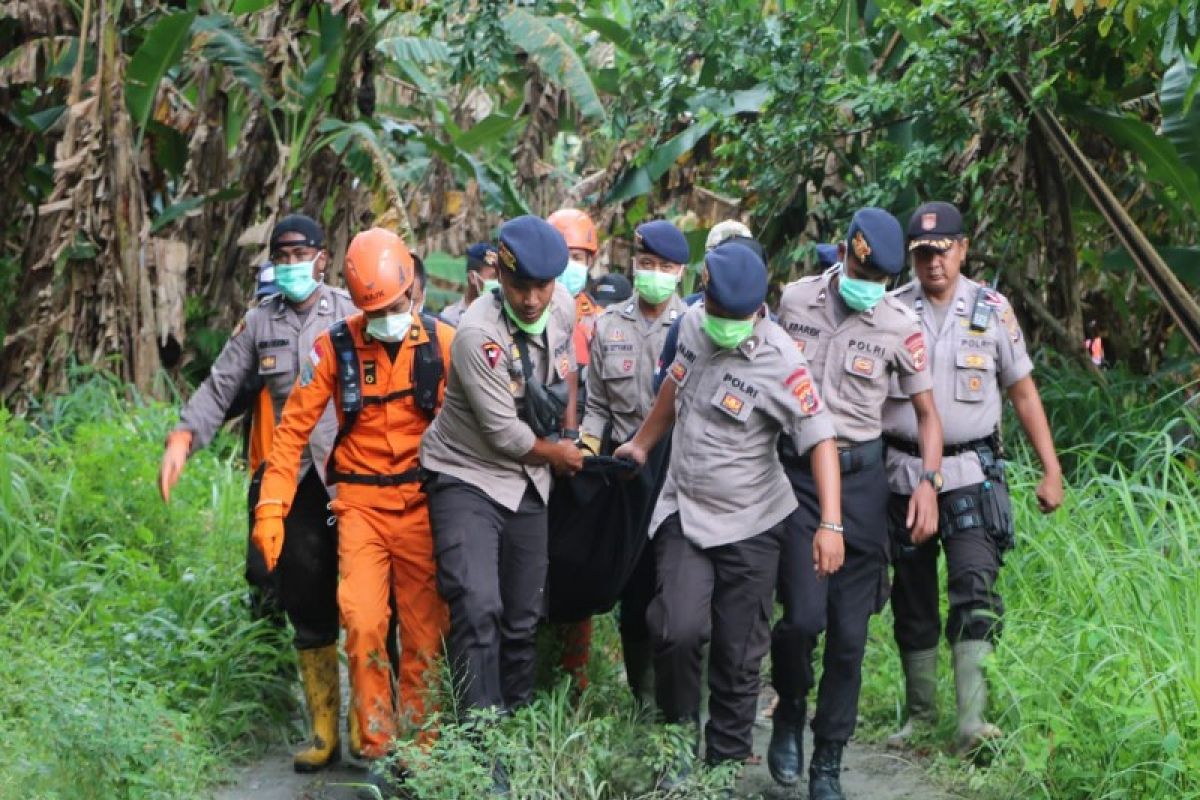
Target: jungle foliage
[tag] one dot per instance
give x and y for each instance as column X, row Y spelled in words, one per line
column 150, row 145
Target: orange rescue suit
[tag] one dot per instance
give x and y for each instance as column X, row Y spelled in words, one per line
column 385, row 543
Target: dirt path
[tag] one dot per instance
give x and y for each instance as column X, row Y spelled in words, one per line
column 869, row 773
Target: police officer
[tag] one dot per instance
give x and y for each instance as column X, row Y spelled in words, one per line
column 624, row 359
column 492, row 450
column 977, row 355
column 273, row 341
column 856, row 338
column 481, row 279
column 736, row 382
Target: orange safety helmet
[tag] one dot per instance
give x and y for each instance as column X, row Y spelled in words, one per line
column 379, row 269
column 577, row 228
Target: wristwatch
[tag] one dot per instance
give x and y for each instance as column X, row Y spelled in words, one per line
column 935, row 479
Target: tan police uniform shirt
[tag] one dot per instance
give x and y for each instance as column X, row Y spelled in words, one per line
column 452, row 314
column 853, row 354
column 724, row 478
column 624, row 359
column 479, row 435
column 272, row 341
column 970, row 370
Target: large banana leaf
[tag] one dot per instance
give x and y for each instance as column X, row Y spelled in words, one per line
column 160, row 50
column 556, row 57
column 1163, row 163
column 223, row 42
column 415, row 49
column 1181, row 120
column 641, row 179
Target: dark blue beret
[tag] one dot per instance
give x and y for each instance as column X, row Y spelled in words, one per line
column 876, row 240
column 747, row 241
column 737, row 279
column 661, row 238
column 827, row 255
column 532, row 248
column 481, row 255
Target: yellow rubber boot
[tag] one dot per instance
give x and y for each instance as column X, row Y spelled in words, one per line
column 319, row 674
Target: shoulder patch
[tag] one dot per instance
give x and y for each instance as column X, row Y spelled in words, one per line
column 800, row 384
column 316, row 354
column 993, row 298
column 492, row 353
column 678, row 371
column 915, row 345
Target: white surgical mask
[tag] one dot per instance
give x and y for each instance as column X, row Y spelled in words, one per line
column 390, row 328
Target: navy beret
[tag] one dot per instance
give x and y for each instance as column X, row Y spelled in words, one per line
column 827, row 255
column 737, row 279
column 481, row 255
column 661, row 238
column 746, row 241
column 532, row 248
column 298, row 223
column 612, row 288
column 876, row 240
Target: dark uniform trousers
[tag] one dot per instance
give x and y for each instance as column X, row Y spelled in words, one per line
column 840, row 605
column 972, row 565
column 725, row 591
column 491, row 571
column 304, row 583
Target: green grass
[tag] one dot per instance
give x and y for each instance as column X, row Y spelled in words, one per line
column 131, row 667
column 132, row 671
column 1096, row 680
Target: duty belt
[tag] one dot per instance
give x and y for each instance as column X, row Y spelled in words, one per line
column 913, row 449
column 853, row 458
column 414, row 475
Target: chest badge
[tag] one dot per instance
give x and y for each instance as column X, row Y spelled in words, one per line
column 617, row 335
column 627, row 365
column 975, row 383
column 369, row 373
column 267, row 362
column 863, row 365
column 732, row 403
column 976, row 361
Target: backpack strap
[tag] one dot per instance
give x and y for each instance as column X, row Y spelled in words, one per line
column 349, row 379
column 428, row 369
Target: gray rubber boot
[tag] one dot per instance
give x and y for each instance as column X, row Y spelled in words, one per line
column 970, row 688
column 920, row 693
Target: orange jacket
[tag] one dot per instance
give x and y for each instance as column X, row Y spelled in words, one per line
column 262, row 429
column 586, row 314
column 387, row 435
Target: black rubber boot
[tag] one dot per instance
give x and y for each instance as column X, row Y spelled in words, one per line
column 825, row 772
column 385, row 782
column 785, row 754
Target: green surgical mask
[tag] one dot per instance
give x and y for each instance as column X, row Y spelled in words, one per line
column 653, row 286
column 295, row 281
column 490, row 285
column 860, row 295
column 532, row 328
column 727, row 333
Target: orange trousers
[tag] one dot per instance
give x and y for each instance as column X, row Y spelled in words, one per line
column 384, row 552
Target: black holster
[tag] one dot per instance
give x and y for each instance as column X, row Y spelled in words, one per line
column 544, row 408
column 995, row 502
